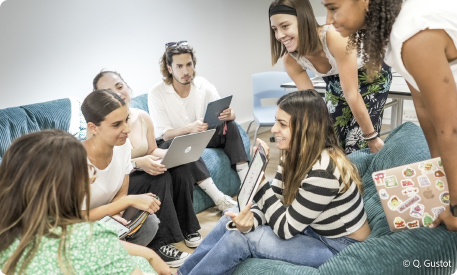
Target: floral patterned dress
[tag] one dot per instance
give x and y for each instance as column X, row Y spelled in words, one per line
column 91, row 248
column 374, row 95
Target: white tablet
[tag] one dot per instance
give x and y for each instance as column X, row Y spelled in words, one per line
column 215, row 108
column 253, row 178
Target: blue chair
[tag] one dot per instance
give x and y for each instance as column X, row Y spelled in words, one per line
column 266, row 86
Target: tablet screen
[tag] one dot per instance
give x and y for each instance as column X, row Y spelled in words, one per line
column 251, row 181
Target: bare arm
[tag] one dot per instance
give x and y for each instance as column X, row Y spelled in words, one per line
column 121, row 201
column 156, row 262
column 347, row 66
column 425, row 121
column 426, row 57
column 297, row 73
column 149, row 162
column 118, row 204
column 194, row 127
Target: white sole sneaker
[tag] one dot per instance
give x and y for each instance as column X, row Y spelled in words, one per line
column 225, row 203
column 172, row 256
column 193, row 240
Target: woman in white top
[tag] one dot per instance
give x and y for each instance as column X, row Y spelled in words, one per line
column 355, row 103
column 107, row 150
column 174, row 186
column 421, row 39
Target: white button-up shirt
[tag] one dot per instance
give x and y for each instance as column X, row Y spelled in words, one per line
column 168, row 110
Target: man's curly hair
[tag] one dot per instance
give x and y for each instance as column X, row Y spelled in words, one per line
column 371, row 42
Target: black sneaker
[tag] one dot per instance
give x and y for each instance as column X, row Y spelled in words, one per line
column 171, row 255
column 192, row 240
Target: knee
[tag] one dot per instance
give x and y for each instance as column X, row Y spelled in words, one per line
column 152, row 222
column 231, row 124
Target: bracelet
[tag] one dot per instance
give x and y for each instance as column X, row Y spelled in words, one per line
column 369, row 135
column 372, row 138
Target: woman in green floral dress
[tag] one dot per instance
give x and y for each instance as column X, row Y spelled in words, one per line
column 355, row 103
column 44, row 178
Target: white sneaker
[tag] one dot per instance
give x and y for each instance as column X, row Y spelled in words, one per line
column 192, row 240
column 225, row 203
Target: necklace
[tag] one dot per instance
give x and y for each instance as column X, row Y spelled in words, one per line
column 93, row 147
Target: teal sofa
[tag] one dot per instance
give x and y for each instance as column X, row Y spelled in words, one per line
column 383, row 252
column 65, row 114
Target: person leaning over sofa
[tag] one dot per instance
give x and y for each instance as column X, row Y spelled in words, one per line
column 177, row 106
column 311, row 211
column 418, row 38
column 43, row 229
column 109, row 153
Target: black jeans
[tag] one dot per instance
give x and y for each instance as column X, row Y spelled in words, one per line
column 176, row 214
column 231, row 142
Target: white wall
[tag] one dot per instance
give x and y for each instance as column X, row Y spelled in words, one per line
column 52, row 49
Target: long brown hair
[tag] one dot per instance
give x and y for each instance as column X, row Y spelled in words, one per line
column 308, row 39
column 379, row 20
column 311, row 133
column 43, row 182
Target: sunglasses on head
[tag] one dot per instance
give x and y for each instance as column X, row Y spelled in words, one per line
column 174, row 44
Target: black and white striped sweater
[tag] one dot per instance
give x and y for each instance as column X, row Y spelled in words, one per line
column 319, row 204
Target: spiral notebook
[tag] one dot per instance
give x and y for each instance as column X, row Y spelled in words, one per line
column 412, row 195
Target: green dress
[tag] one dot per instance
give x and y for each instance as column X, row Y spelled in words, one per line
column 92, row 248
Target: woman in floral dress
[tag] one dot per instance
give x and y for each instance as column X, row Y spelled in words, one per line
column 355, row 101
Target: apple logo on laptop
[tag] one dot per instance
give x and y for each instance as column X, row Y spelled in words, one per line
column 188, row 149
column 428, row 194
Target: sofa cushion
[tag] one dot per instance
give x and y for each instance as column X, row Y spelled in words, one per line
column 78, row 124
column 384, row 251
column 17, row 121
column 140, row 102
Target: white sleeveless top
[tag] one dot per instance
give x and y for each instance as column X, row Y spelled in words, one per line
column 306, row 64
column 415, row 16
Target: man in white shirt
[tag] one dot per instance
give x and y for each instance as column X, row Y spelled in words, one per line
column 177, row 105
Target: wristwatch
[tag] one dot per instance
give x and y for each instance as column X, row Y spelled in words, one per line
column 453, row 209
column 134, row 164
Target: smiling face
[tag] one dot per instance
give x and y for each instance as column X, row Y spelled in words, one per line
column 347, row 16
column 285, row 28
column 114, row 129
column 182, row 68
column 281, row 129
column 114, row 83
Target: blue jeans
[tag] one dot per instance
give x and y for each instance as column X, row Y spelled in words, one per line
column 222, row 250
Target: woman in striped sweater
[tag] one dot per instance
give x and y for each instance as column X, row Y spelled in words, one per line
column 313, row 208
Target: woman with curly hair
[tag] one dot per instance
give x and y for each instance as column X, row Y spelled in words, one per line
column 421, row 39
column 355, row 102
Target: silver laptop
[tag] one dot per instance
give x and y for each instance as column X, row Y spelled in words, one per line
column 187, row 148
